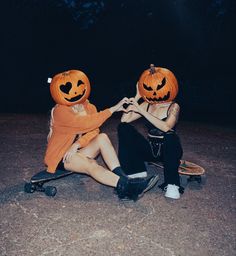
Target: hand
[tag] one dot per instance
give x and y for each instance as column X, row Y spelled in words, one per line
column 134, row 106
column 119, row 106
column 134, row 102
column 72, row 150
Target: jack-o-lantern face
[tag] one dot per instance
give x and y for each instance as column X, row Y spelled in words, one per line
column 70, row 87
column 157, row 85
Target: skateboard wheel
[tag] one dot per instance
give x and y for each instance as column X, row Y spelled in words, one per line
column 50, row 191
column 183, row 180
column 29, row 188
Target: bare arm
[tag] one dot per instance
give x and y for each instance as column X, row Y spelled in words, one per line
column 173, row 115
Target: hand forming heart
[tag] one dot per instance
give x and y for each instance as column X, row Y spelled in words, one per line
column 125, row 105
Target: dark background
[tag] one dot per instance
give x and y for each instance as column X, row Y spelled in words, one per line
column 113, row 41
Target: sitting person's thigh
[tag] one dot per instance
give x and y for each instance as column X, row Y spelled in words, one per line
column 79, row 163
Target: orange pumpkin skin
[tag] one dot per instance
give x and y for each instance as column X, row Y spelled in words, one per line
column 157, row 85
column 70, row 88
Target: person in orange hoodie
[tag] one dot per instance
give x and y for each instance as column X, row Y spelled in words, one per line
column 74, row 139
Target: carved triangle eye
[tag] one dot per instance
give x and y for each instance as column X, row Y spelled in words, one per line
column 163, row 82
column 148, row 88
column 66, row 87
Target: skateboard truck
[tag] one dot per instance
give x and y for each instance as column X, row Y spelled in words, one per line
column 48, row 190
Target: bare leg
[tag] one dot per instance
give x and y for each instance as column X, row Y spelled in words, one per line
column 82, row 164
column 102, row 144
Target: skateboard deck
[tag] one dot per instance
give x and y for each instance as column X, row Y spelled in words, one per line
column 188, row 172
column 189, row 168
column 37, row 182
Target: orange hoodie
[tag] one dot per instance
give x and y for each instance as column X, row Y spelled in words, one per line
column 66, row 125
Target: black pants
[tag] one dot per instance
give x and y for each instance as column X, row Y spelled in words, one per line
column 134, row 150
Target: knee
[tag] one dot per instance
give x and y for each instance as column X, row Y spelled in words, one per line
column 103, row 138
column 91, row 166
column 81, row 164
column 88, row 166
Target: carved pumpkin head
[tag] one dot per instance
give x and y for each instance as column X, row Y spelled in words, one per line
column 157, row 85
column 70, row 87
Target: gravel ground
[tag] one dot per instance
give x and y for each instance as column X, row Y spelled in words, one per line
column 86, row 218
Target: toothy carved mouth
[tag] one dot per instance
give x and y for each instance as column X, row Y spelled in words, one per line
column 166, row 97
column 76, row 97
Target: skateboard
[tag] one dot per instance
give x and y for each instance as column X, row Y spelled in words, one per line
column 37, row 182
column 188, row 171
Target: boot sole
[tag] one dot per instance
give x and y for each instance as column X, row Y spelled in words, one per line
column 151, row 183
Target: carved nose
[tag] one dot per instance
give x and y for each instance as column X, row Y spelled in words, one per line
column 154, row 94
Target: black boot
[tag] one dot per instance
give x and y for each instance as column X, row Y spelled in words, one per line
column 133, row 189
column 138, row 186
column 121, row 187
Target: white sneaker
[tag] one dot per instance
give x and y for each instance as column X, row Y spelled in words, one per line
column 172, row 191
column 138, row 175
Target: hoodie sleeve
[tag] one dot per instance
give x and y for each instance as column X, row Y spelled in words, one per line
column 64, row 118
column 86, row 138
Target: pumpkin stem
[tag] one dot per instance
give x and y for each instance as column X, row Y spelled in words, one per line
column 152, row 69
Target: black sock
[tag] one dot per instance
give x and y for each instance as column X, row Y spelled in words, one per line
column 118, row 171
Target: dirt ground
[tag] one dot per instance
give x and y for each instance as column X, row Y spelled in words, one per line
column 86, row 218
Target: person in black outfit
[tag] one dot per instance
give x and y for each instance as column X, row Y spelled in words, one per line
column 161, row 145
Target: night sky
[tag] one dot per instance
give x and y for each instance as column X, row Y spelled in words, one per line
column 113, row 41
